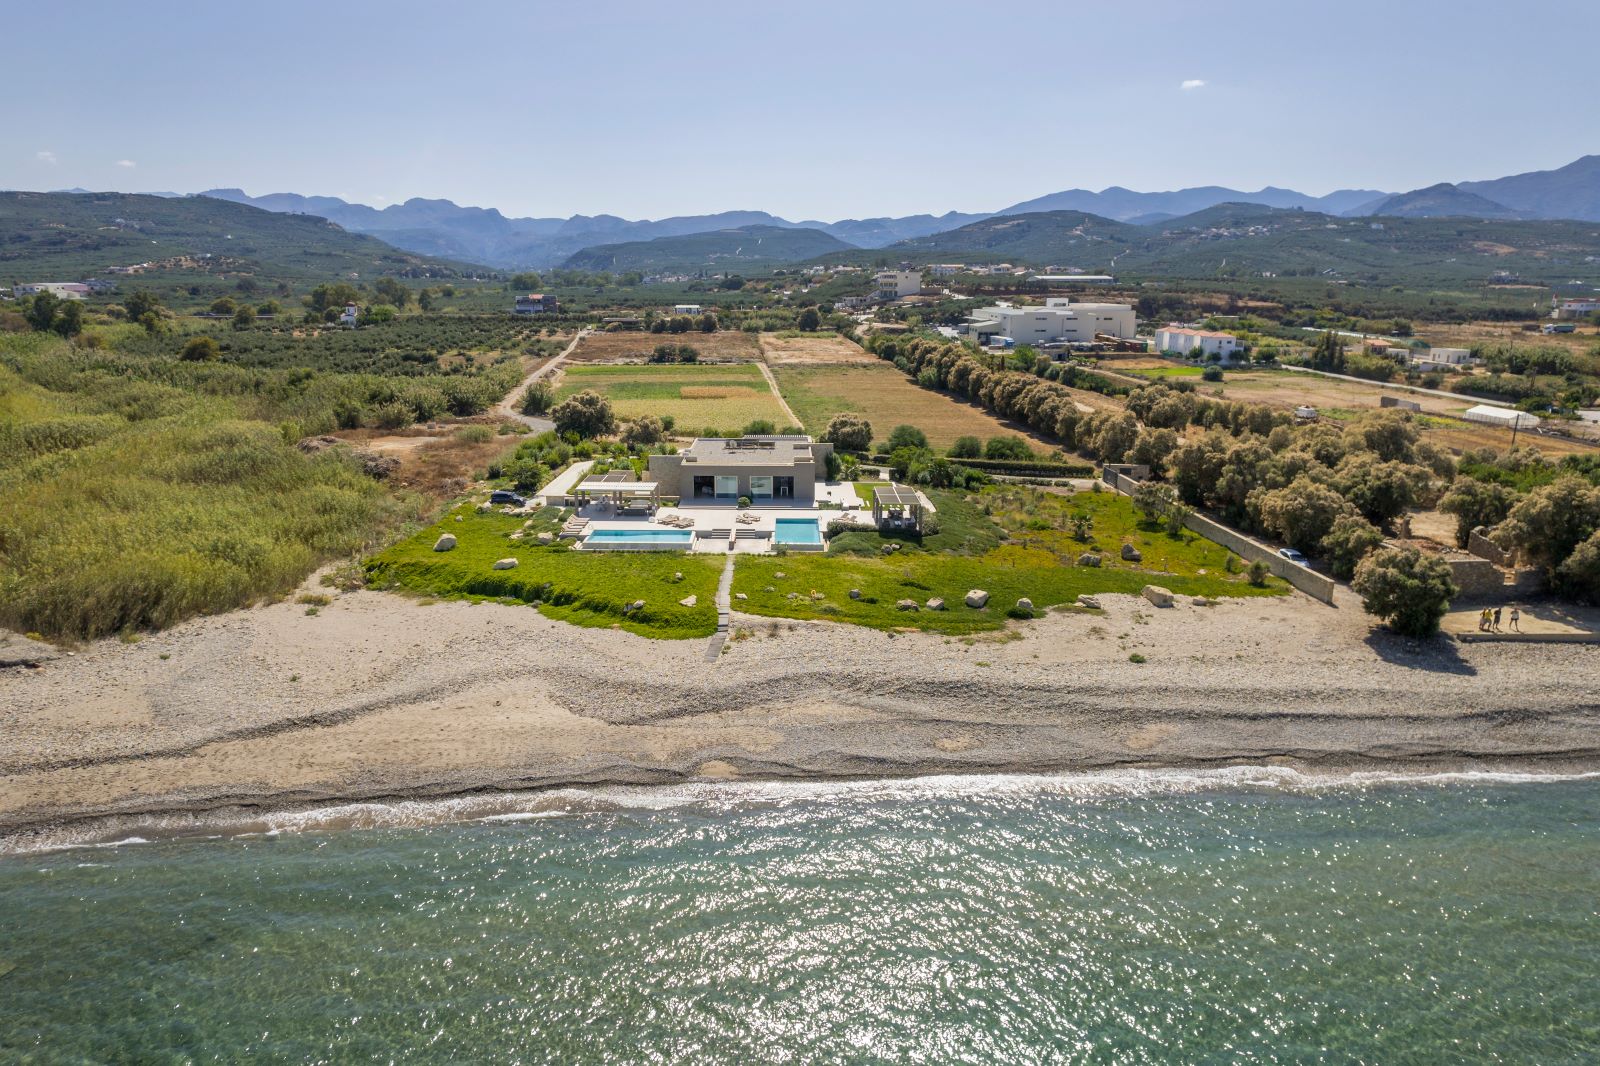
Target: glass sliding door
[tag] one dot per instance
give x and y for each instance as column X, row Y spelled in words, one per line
column 760, row 486
column 727, row 486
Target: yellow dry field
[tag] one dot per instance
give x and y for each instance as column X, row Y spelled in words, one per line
column 887, row 398
column 729, row 346
column 825, row 349
column 1473, row 334
column 1336, row 399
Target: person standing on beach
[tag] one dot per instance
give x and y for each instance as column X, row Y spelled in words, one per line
column 1496, row 626
column 1483, row 620
column 1516, row 619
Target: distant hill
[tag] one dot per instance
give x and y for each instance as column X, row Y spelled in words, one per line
column 1573, row 191
column 1064, row 237
column 1442, row 201
column 741, row 247
column 1125, row 205
column 68, row 236
column 1244, row 240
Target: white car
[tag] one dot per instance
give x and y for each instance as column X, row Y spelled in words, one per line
column 1293, row 556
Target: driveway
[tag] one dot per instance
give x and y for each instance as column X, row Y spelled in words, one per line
column 507, row 407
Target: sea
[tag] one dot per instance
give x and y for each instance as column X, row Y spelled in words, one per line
column 1242, row 915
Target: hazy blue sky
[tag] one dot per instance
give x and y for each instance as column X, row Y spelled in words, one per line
column 806, row 109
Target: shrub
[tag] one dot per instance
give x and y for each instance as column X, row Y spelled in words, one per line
column 1211, row 373
column 1579, row 574
column 643, row 432
column 1350, row 540
column 966, row 448
column 1007, row 448
column 1409, row 590
column 760, row 427
column 904, row 436
column 1258, row 573
column 1476, row 503
column 537, row 398
column 1301, row 513
column 201, row 350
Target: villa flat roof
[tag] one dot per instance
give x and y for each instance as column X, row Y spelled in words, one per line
column 749, row 451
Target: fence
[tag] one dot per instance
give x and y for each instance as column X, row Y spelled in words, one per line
column 1313, row 584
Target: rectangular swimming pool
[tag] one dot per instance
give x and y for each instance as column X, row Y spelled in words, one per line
column 797, row 531
column 662, row 539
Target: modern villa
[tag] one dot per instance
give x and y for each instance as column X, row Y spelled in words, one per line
column 768, row 470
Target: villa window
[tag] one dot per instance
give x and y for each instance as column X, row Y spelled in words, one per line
column 761, row 485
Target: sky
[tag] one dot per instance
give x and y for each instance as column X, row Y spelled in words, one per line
column 813, row 110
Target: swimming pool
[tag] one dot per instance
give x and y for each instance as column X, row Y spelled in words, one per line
column 797, row 531
column 665, row 539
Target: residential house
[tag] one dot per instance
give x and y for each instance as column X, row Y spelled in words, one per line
column 898, row 284
column 1440, row 358
column 535, row 303
column 1183, row 341
column 1579, row 307
column 686, row 309
column 946, row 270
column 350, row 315
column 777, row 469
column 66, row 290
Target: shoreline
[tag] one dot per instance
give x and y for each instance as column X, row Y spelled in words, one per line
column 383, row 699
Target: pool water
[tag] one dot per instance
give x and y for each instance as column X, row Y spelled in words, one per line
column 797, row 531
column 660, row 538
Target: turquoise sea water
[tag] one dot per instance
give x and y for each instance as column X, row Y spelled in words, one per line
column 1235, row 916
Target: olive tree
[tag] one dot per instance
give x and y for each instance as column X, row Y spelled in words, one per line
column 848, row 432
column 1351, row 539
column 1476, row 503
column 588, row 414
column 1550, row 522
column 1302, row 512
column 1409, row 590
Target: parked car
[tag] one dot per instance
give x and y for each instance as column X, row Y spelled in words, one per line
column 506, row 496
column 1293, row 556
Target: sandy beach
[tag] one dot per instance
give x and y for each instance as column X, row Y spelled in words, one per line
column 379, row 696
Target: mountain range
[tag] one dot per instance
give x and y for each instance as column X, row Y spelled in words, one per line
column 484, row 235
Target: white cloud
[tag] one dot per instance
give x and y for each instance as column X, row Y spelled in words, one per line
column 1190, row 84
column 127, row 163
column 45, row 156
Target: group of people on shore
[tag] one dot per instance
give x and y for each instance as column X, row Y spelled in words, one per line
column 1489, row 620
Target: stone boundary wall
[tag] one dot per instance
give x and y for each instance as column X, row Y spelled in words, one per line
column 1313, row 584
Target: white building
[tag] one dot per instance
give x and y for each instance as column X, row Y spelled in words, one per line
column 65, row 290
column 1180, row 339
column 1576, row 308
column 686, row 309
column 898, row 284
column 852, row 303
column 1058, row 321
column 946, row 270
column 1439, row 358
column 351, row 313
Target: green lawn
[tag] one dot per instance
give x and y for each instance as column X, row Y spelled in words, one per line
column 1036, row 559
column 585, row 588
column 720, row 396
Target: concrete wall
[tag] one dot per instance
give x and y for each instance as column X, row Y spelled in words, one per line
column 1395, row 401
column 1313, row 584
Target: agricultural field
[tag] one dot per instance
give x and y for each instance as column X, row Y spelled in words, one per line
column 1013, row 542
column 887, row 398
column 803, row 349
column 695, row 396
column 1478, row 334
column 726, row 346
column 1338, row 399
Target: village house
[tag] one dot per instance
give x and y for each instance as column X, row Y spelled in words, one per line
column 1183, row 341
column 898, row 284
column 535, row 303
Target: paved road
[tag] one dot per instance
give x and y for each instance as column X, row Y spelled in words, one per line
column 507, row 407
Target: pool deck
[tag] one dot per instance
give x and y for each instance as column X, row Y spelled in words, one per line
column 716, row 525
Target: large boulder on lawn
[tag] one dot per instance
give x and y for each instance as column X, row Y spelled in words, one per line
column 936, row 603
column 1157, row 595
column 855, row 594
column 505, row 564
column 977, row 598
column 446, row 542
column 689, row 600
column 485, row 508
column 905, row 605
column 1024, row 604
column 1088, row 559
column 1131, row 554
column 1088, row 602
column 546, row 537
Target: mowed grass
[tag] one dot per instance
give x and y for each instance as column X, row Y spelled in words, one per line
column 695, row 396
column 581, row 587
column 886, row 398
column 994, row 551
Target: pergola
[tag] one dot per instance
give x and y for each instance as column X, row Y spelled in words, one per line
column 897, row 507
column 620, row 489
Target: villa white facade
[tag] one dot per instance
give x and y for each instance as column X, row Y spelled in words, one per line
column 898, row 284
column 1182, row 340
